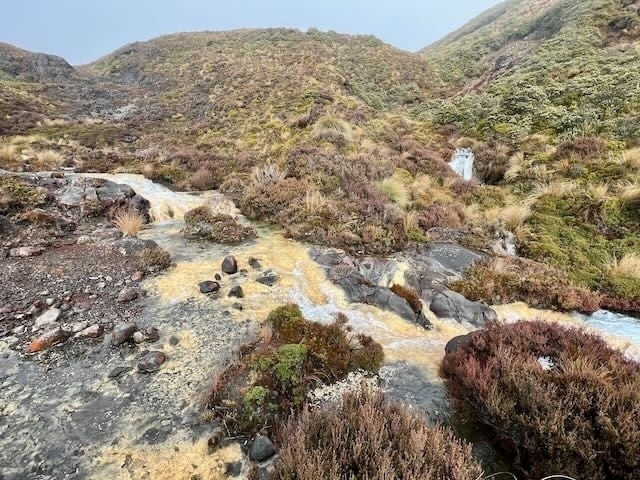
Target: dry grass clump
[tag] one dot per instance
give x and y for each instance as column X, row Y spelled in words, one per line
column 552, row 398
column 129, row 222
column 202, row 179
column 631, row 158
column 8, row 154
column 48, row 159
column 333, row 130
column 556, row 188
column 396, row 190
column 509, row 280
column 629, row 195
column 267, row 175
column 628, row 266
column 514, row 216
column 368, row 437
column 598, row 193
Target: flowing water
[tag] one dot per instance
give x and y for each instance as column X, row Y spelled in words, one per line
column 462, row 163
column 413, row 354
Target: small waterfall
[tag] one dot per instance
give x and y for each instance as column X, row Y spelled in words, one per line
column 462, row 163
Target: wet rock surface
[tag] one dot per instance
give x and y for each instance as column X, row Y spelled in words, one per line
column 450, row 304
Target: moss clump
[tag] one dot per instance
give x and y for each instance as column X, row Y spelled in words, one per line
column 274, row 375
column 154, row 259
column 17, row 195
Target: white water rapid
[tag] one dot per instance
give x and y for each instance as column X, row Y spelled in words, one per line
column 462, row 163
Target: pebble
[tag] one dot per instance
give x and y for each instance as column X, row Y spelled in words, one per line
column 19, row 329
column 230, row 265
column 151, row 362
column 79, row 326
column 65, row 307
column 137, row 276
column 122, row 332
column 94, row 331
column 47, row 318
column 236, row 292
column 218, row 277
column 255, row 263
column 50, row 301
column 127, row 295
column 149, row 334
column 269, row 278
column 173, row 340
column 238, row 306
column 47, row 339
column 261, row 449
column 209, row 286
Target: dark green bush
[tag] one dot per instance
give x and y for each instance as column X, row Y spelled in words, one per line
column 554, row 399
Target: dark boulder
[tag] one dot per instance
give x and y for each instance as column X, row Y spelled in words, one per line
column 209, row 286
column 230, row 265
column 450, row 304
column 262, row 449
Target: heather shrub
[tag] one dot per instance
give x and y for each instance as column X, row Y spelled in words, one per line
column 584, row 147
column 154, row 259
column 266, row 201
column 271, row 377
column 220, row 227
column 368, row 437
column 509, row 280
column 554, row 399
column 439, row 215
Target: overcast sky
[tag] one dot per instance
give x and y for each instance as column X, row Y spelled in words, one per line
column 83, row 30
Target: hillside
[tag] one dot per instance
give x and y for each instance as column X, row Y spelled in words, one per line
column 343, row 140
column 563, row 67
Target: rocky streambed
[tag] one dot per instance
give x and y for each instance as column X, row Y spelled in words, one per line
column 94, row 406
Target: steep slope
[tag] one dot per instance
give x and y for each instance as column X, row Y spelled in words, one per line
column 560, row 66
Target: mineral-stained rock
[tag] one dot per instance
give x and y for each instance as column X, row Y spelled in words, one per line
column 47, row 339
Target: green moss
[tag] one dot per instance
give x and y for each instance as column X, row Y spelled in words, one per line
column 288, row 364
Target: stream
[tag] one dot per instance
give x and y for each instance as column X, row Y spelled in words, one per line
column 149, row 427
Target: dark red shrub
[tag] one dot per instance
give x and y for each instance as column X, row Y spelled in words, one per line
column 555, row 399
column 439, row 215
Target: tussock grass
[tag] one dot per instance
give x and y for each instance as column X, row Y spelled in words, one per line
column 514, row 216
column 49, row 159
column 629, row 194
column 332, row 128
column 556, row 188
column 631, row 158
column 266, row 175
column 8, row 153
column 598, row 193
column 314, row 200
column 628, row 266
column 396, row 190
column 128, row 222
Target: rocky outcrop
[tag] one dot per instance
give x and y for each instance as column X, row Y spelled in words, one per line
column 450, row 304
column 422, row 269
column 33, row 67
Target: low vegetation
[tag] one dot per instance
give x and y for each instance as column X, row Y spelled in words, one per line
column 215, row 223
column 129, row 222
column 272, row 377
column 367, row 436
column 554, row 399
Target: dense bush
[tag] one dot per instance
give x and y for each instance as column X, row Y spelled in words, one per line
column 369, row 438
column 272, row 377
column 508, row 280
column 554, row 398
column 219, row 227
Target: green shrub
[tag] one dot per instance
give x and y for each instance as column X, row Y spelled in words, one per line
column 203, row 223
column 554, row 399
column 368, row 437
column 274, row 375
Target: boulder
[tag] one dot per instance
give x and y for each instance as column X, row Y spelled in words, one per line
column 269, row 278
column 456, row 342
column 209, row 286
column 230, row 265
column 450, row 304
column 71, row 196
column 129, row 246
column 47, row 318
column 151, row 362
column 261, row 449
column 149, row 334
column 122, row 332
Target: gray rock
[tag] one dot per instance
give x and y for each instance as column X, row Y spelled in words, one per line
column 25, row 251
column 130, row 246
column 47, row 318
column 122, row 332
column 151, row 362
column 209, row 286
column 216, row 439
column 71, row 196
column 450, row 304
column 269, row 278
column 127, row 294
column 236, row 292
column 78, row 327
column 149, row 334
column 230, row 265
column 262, row 449
column 94, row 331
column 456, row 342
